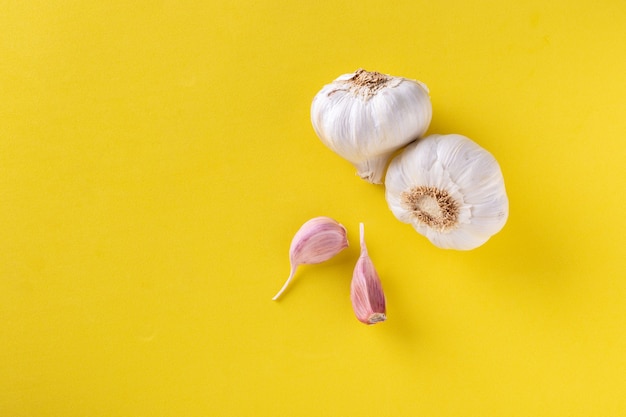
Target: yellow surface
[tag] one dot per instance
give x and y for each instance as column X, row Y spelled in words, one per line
column 156, row 157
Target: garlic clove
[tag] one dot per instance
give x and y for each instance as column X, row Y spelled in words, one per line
column 366, row 291
column 449, row 189
column 317, row 240
column 366, row 116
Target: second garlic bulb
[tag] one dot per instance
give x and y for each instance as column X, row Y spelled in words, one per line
column 366, row 116
column 449, row 189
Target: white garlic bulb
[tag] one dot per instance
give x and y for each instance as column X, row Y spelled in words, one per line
column 366, row 116
column 450, row 189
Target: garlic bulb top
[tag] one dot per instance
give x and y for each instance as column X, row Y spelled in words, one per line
column 450, row 189
column 366, row 116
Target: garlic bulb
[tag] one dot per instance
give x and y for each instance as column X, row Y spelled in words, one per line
column 366, row 116
column 366, row 291
column 317, row 240
column 450, row 189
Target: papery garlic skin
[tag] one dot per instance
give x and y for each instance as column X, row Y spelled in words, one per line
column 317, row 240
column 366, row 290
column 450, row 189
column 366, row 116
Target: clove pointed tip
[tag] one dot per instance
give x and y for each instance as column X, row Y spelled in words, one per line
column 362, row 237
column 291, row 274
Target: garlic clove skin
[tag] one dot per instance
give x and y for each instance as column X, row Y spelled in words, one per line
column 450, row 190
column 366, row 290
column 317, row 240
column 366, row 116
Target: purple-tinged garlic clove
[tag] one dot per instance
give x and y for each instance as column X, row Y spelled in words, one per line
column 366, row 290
column 317, row 240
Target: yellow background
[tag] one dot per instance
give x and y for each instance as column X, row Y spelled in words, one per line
column 156, row 158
